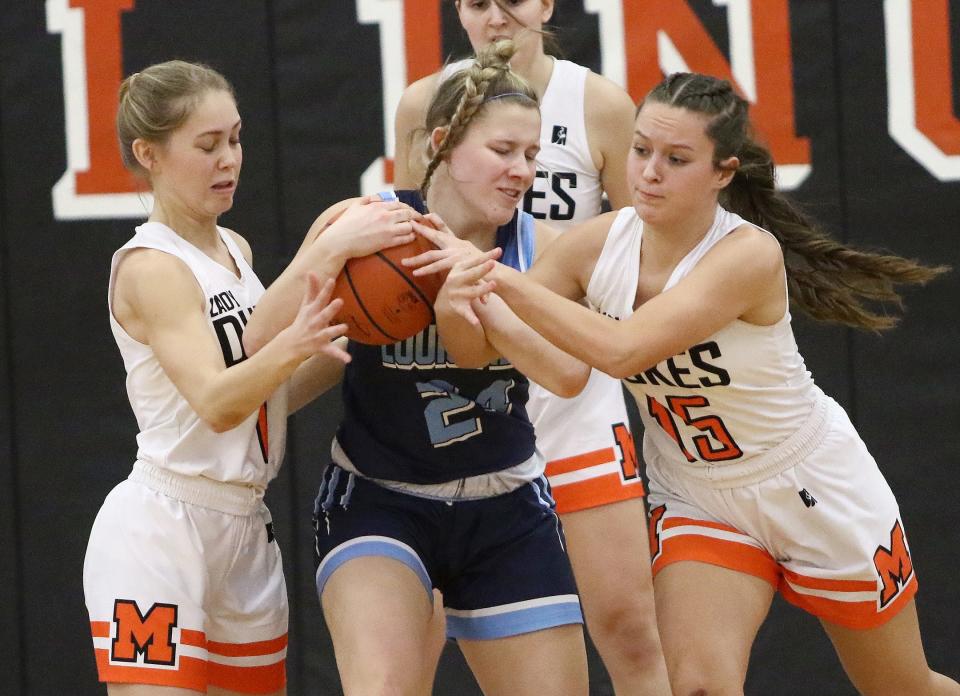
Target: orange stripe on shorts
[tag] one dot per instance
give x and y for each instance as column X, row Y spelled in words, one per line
column 192, row 673
column 724, row 553
column 580, row 461
column 856, row 615
column 263, row 647
column 263, row 679
column 594, row 492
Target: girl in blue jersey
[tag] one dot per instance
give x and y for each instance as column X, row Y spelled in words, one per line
column 585, row 131
column 436, row 480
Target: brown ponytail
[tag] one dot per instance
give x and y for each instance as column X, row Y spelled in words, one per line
column 827, row 280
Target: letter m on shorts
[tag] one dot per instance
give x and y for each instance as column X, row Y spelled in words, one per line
column 893, row 565
column 150, row 634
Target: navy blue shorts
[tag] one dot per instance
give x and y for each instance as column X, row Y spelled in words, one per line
column 500, row 562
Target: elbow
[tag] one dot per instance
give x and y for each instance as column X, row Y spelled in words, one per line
column 222, row 424
column 618, row 364
column 571, row 382
column 567, row 392
column 221, row 420
column 571, row 385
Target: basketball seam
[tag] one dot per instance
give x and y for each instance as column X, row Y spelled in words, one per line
column 363, row 306
column 413, row 286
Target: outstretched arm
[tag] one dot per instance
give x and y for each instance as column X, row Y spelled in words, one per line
column 355, row 227
column 698, row 306
column 158, row 301
column 317, row 375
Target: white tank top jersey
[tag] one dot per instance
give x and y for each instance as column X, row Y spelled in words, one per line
column 567, row 189
column 172, row 436
column 722, row 403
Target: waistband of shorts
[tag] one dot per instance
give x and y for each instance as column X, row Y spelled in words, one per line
column 469, row 488
column 230, row 498
column 762, row 466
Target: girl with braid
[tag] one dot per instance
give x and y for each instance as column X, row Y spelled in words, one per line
column 758, row 481
column 585, row 132
column 436, row 481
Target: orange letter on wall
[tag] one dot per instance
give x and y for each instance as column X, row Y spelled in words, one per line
column 933, row 76
column 104, row 61
column 648, row 22
column 95, row 184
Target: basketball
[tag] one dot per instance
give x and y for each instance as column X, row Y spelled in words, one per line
column 383, row 302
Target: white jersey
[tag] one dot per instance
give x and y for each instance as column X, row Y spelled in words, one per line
column 567, row 189
column 715, row 409
column 172, row 436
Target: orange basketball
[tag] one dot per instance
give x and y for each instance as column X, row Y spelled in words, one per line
column 383, row 302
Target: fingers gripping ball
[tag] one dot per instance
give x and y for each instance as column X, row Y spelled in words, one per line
column 383, row 302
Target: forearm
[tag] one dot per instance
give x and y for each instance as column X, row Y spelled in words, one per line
column 228, row 396
column 314, row 377
column 277, row 308
column 466, row 343
column 568, row 325
column 531, row 353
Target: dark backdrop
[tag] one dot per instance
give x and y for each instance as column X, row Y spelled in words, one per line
column 308, row 77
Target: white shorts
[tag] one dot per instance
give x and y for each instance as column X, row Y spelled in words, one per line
column 586, row 441
column 186, row 594
column 825, row 531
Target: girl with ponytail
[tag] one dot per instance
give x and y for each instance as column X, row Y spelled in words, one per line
column 758, row 481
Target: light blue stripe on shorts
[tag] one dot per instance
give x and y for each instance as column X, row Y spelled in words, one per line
column 514, row 619
column 372, row 546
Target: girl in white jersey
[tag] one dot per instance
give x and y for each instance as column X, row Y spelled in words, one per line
column 591, row 460
column 754, row 472
column 182, row 577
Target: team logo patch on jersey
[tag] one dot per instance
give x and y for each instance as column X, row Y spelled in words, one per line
column 807, row 499
column 559, row 135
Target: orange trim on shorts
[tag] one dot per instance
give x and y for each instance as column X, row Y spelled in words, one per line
column 263, row 647
column 191, row 674
column 854, row 614
column 197, row 639
column 591, row 492
column 732, row 555
column 262, row 679
column 580, row 461
column 828, row 584
column 195, row 673
column 751, row 560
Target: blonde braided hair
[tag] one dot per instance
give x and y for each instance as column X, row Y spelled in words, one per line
column 463, row 95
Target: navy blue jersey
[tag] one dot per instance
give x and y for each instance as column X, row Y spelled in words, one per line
column 410, row 414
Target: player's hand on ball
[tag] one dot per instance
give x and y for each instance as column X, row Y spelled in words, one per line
column 369, row 225
column 311, row 330
column 450, row 248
